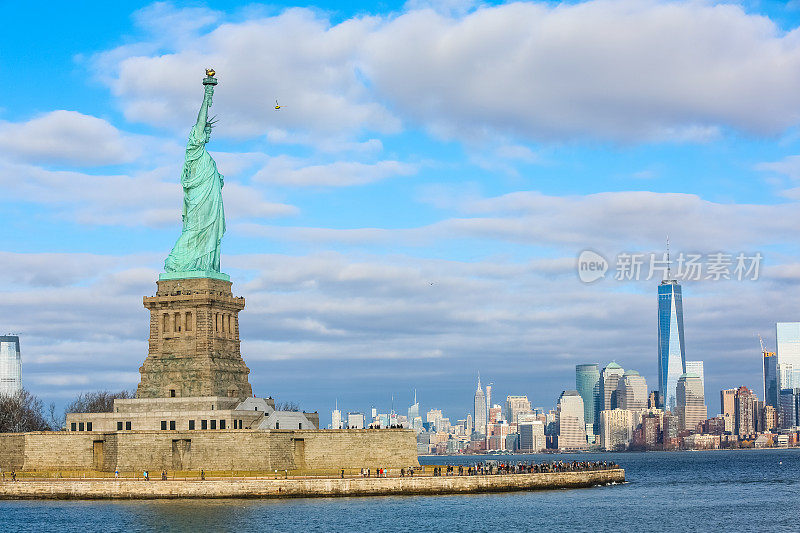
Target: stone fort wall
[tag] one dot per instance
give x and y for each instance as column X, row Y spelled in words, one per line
column 304, row 487
column 251, row 450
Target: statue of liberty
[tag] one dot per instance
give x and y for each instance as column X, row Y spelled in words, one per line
column 198, row 248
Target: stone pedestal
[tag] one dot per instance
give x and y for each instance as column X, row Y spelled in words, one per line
column 194, row 341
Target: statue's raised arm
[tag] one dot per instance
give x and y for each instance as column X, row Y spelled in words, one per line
column 202, row 117
column 198, row 248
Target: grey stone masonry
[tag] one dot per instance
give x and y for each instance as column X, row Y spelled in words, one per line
column 194, row 347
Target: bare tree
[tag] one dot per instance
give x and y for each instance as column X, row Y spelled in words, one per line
column 287, row 406
column 21, row 412
column 54, row 419
column 97, row 402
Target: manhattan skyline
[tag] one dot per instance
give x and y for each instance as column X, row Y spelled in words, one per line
column 392, row 231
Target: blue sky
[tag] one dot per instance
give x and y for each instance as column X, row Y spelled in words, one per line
column 413, row 214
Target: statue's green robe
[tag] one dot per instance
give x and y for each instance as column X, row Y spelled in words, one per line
column 198, row 247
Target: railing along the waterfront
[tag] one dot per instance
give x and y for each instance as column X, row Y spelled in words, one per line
column 474, row 469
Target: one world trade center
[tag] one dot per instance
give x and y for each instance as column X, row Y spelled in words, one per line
column 671, row 352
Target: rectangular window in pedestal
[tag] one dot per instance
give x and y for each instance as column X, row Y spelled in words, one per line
column 127, row 426
column 221, row 424
column 163, row 425
column 191, row 424
column 119, row 426
column 204, row 424
column 213, row 424
column 172, row 425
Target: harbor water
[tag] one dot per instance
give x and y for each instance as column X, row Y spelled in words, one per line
column 741, row 490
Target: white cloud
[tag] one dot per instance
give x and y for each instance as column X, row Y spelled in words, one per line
column 627, row 70
column 613, row 221
column 296, row 57
column 244, row 202
column 620, row 70
column 151, row 198
column 285, row 170
column 517, row 152
column 336, row 309
column 789, row 166
column 68, row 137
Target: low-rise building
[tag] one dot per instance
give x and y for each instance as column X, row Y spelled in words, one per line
column 211, row 413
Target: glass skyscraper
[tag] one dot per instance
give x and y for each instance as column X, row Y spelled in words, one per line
column 789, row 408
column 587, row 381
column 787, row 335
column 10, row 365
column 770, row 379
column 671, row 351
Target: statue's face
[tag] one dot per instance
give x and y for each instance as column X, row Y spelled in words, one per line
column 207, row 131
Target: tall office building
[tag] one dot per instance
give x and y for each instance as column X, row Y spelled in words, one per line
column 10, row 365
column 671, row 351
column 746, row 411
column 515, row 406
column 770, row 419
column 787, row 336
column 690, row 401
column 587, row 381
column 727, row 407
column 531, row 436
column 468, row 426
column 355, row 420
column 336, row 417
column 609, row 379
column 571, row 427
column 789, row 411
column 632, row 391
column 616, row 429
column 770, row 378
column 413, row 411
column 488, row 405
column 696, row 367
column 480, row 409
column 434, row 418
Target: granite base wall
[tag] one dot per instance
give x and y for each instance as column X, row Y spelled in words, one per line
column 239, row 450
column 288, row 488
